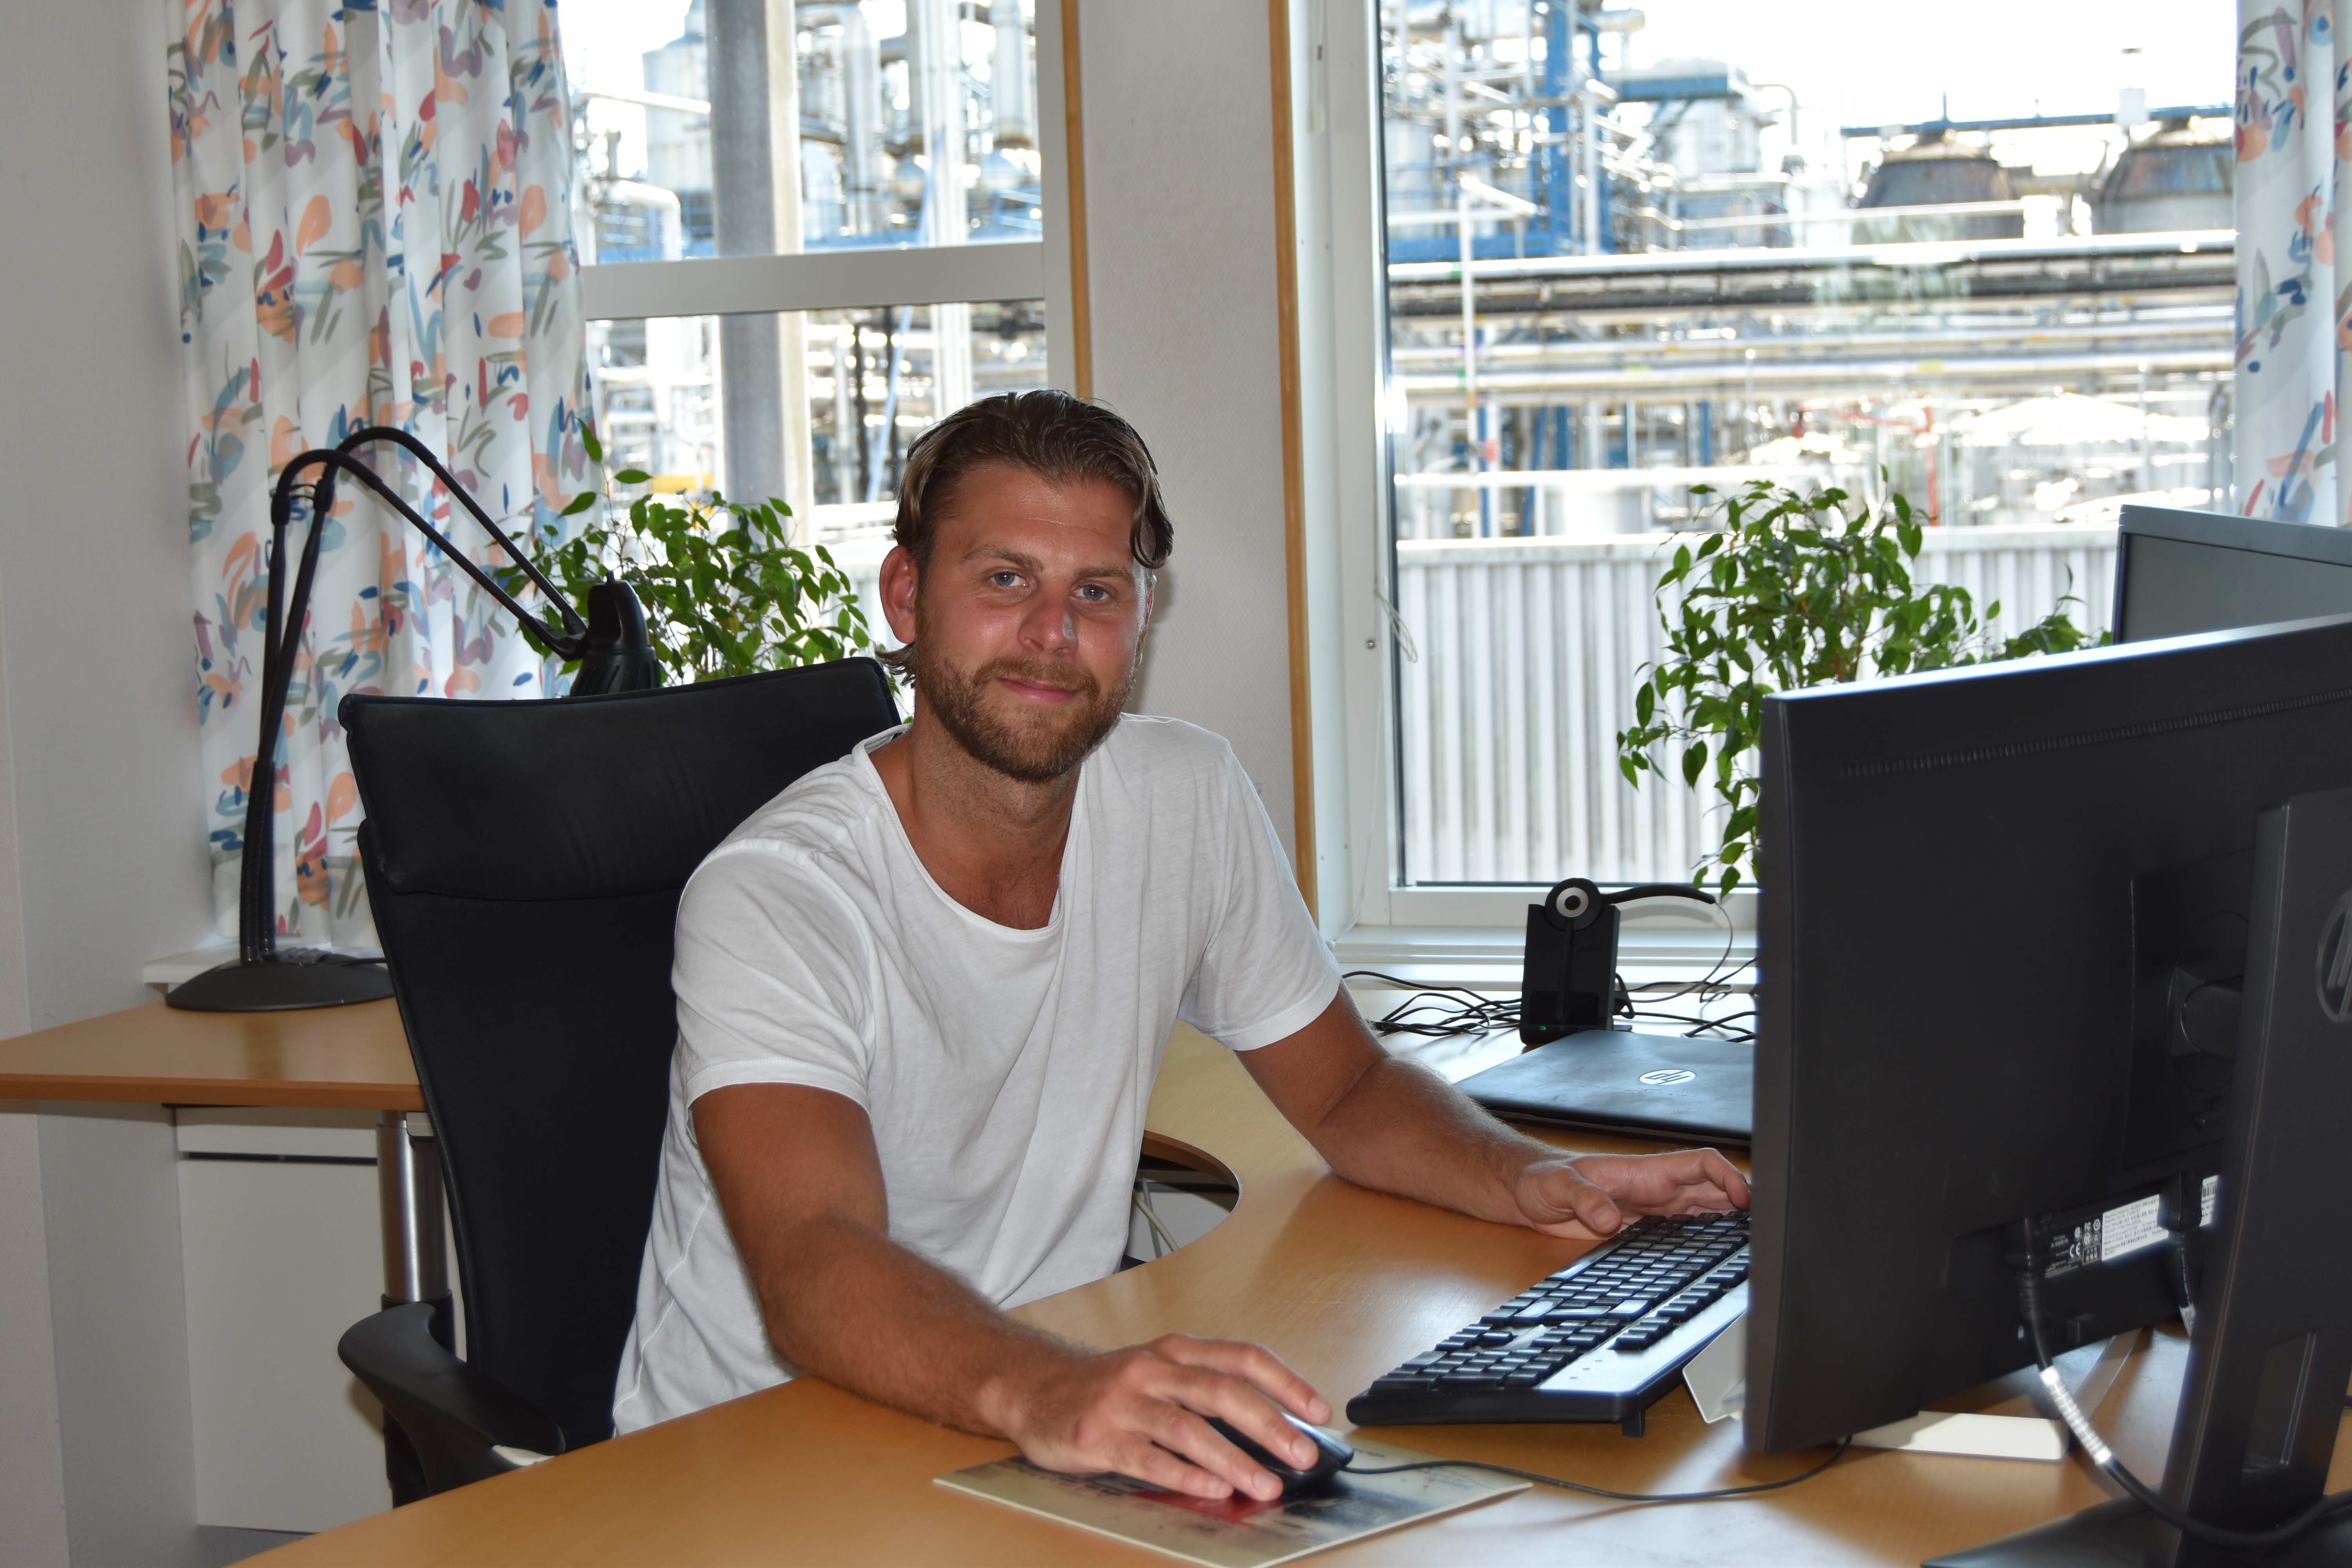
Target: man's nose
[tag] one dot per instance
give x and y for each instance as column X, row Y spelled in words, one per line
column 1049, row 626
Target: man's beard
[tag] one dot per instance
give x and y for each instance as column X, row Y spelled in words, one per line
column 1044, row 744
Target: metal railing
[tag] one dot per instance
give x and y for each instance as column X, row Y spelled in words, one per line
column 1528, row 650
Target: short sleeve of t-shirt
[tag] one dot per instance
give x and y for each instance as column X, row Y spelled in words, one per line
column 773, row 976
column 1265, row 973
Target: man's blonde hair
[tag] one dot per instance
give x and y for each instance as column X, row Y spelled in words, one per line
column 1060, row 439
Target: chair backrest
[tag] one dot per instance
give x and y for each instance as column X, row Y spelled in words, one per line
column 524, row 862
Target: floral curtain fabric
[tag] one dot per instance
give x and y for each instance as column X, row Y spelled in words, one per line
column 2295, row 135
column 374, row 228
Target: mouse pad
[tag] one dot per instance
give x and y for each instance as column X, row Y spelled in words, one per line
column 1616, row 1080
column 1238, row 1531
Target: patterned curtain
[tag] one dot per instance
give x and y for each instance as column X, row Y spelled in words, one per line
column 2295, row 134
column 374, row 218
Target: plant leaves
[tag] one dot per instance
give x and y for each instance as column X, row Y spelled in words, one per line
column 1799, row 590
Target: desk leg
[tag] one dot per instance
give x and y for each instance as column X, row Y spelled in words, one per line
column 415, row 1256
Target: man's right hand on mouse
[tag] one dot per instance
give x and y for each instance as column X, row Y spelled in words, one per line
column 1143, row 1413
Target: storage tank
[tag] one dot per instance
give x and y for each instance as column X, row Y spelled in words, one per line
column 2174, row 180
column 1934, row 172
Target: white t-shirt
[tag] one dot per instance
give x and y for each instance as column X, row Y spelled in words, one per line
column 1004, row 1072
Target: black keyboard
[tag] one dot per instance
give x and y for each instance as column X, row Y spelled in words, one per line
column 1598, row 1341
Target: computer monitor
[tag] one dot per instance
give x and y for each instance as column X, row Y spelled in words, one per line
column 2004, row 921
column 2183, row 571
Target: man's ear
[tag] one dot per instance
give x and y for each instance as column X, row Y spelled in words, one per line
column 898, row 587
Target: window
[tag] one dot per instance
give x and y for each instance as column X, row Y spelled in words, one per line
column 790, row 280
column 1736, row 243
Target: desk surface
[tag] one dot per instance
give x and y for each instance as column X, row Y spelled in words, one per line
column 351, row 1059
column 1342, row 1282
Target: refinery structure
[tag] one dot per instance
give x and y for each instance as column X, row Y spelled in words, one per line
column 1595, row 280
column 1594, row 276
column 872, row 101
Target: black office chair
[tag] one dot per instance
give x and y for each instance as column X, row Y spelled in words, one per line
column 524, row 861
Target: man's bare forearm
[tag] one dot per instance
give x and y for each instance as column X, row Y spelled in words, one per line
column 859, row 1311
column 1402, row 1129
column 800, row 1185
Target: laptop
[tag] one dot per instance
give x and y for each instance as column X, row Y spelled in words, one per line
column 1619, row 1080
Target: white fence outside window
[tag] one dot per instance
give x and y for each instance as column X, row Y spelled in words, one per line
column 1528, row 652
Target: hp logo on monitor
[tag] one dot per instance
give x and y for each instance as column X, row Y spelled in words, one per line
column 2335, row 968
column 1664, row 1077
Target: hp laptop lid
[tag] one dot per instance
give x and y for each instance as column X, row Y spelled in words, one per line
column 1612, row 1081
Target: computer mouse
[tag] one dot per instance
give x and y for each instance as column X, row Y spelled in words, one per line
column 1331, row 1457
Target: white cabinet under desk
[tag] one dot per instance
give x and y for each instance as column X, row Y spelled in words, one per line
column 282, row 1251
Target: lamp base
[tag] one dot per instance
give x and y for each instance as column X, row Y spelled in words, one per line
column 293, row 978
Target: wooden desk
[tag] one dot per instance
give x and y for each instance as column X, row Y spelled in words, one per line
column 319, row 1059
column 1342, row 1282
column 328, row 1059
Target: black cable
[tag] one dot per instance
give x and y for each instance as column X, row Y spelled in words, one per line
column 1725, row 1023
column 1477, row 1016
column 1437, row 1012
column 2029, row 1294
column 2187, row 1302
column 1835, row 1454
column 1730, row 940
column 1480, row 1015
column 1415, row 985
column 1476, row 1019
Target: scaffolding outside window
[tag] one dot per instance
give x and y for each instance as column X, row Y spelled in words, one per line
column 874, row 380
column 892, row 178
column 1619, row 266
column 912, row 122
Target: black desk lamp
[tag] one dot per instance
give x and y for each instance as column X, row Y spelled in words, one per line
column 613, row 655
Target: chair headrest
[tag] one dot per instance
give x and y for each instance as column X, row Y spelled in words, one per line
column 594, row 797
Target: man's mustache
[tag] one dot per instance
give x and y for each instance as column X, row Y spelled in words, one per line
column 1036, row 672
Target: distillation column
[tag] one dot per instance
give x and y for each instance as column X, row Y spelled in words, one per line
column 936, row 62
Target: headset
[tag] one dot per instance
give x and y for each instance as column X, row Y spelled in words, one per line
column 1567, row 981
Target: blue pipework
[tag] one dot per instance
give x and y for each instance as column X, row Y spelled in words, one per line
column 1552, row 179
column 1486, row 497
column 1608, row 245
column 1555, row 174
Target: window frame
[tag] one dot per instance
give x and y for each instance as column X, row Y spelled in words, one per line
column 1052, row 269
column 1338, row 452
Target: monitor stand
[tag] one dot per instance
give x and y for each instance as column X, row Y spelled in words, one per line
column 2122, row 1534
column 2272, row 1349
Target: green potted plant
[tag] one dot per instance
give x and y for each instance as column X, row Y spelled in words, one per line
column 725, row 589
column 1788, row 591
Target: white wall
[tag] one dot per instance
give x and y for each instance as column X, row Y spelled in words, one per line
column 1179, row 115
column 101, row 861
column 32, row 1458
column 95, row 605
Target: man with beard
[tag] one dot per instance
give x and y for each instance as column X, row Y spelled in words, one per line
column 923, row 996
